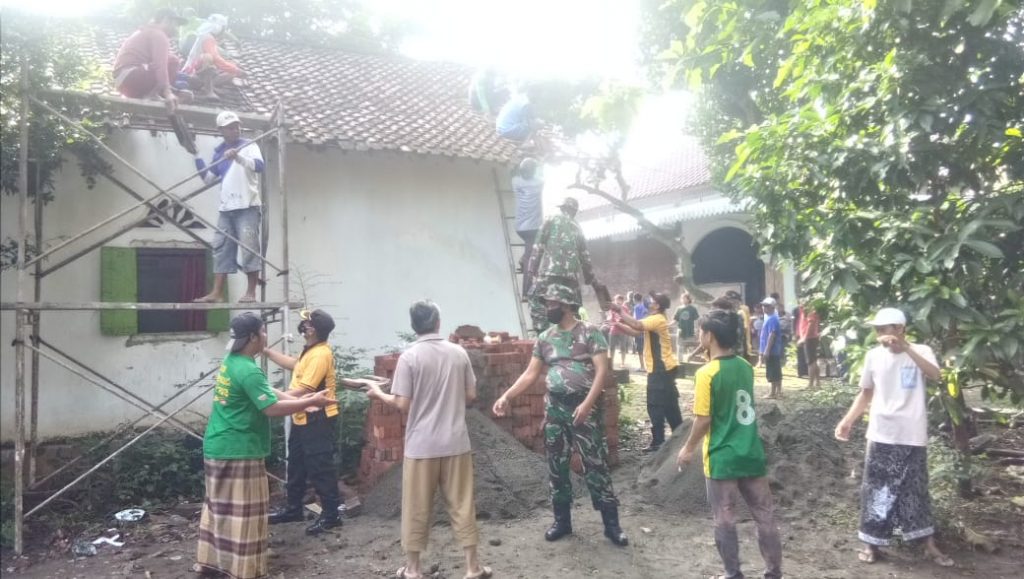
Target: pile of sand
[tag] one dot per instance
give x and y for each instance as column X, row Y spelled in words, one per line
column 805, row 462
column 510, row 480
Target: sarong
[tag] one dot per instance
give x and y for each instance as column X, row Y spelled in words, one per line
column 894, row 494
column 233, row 532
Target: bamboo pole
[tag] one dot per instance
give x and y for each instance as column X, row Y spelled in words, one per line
column 37, row 294
column 282, row 137
column 121, row 231
column 161, row 191
column 20, row 315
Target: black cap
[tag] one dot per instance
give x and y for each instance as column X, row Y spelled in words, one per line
column 243, row 326
column 321, row 321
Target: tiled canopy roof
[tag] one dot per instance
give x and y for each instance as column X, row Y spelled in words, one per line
column 353, row 101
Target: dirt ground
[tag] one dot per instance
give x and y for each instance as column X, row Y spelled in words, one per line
column 817, row 499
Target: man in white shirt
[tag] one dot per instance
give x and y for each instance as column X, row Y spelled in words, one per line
column 433, row 383
column 894, row 492
column 528, row 186
column 238, row 163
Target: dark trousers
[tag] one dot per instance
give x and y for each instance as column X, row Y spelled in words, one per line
column 528, row 237
column 801, row 361
column 311, row 460
column 662, row 403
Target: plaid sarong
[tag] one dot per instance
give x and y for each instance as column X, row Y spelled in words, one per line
column 233, row 532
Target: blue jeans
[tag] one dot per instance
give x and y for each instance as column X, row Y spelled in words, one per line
column 243, row 225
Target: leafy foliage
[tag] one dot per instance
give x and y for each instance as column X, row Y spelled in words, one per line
column 345, row 24
column 881, row 145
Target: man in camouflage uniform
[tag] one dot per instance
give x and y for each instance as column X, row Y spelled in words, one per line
column 559, row 255
column 575, row 355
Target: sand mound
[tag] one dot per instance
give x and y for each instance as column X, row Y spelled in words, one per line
column 805, row 463
column 510, row 479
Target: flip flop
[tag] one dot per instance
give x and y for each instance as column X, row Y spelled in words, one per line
column 401, row 574
column 868, row 557
column 485, row 573
column 943, row 561
column 246, row 300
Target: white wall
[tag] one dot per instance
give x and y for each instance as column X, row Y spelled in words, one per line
column 370, row 232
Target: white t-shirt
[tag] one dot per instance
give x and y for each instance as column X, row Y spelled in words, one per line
column 898, row 407
column 529, row 194
column 241, row 185
column 435, row 375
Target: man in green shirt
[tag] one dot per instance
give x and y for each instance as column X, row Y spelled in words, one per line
column 559, row 256
column 233, row 531
column 686, row 319
column 725, row 424
column 575, row 356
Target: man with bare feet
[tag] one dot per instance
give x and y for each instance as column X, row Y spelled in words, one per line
column 237, row 162
column 894, row 492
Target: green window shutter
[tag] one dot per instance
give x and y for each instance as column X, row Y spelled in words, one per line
column 216, row 320
column 119, row 282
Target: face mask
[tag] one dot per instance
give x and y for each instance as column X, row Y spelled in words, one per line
column 555, row 315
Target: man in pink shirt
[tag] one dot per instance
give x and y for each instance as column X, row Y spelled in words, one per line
column 618, row 339
column 144, row 67
column 808, row 335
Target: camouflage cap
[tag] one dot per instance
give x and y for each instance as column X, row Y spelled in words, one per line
column 561, row 293
column 571, row 203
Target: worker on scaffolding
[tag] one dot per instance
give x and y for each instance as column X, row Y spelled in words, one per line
column 559, row 256
column 528, row 185
column 145, row 67
column 205, row 66
column 237, row 162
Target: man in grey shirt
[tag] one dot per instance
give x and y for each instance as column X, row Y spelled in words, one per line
column 433, row 382
column 528, row 186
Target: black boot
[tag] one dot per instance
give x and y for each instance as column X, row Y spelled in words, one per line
column 563, row 522
column 288, row 514
column 324, row 522
column 612, row 530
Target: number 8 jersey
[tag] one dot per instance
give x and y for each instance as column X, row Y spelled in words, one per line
column 725, row 392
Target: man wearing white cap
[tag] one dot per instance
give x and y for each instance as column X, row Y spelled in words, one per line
column 237, row 162
column 894, row 492
column 771, row 347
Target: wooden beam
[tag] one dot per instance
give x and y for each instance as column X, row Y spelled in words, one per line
column 193, row 114
column 146, row 306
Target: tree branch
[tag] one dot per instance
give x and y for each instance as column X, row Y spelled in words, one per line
column 684, row 266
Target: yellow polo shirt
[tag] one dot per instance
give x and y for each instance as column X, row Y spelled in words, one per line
column 315, row 367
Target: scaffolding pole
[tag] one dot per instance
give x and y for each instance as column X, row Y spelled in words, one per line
column 19, row 319
column 28, row 320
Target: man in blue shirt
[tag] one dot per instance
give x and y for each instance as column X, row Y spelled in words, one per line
column 639, row 313
column 771, row 348
column 515, row 119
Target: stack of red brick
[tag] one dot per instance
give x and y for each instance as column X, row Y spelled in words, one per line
column 497, row 366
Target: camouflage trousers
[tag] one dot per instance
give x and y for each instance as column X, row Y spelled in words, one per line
column 560, row 436
column 538, row 309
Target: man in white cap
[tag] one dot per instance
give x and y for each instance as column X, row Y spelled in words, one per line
column 894, row 492
column 237, row 162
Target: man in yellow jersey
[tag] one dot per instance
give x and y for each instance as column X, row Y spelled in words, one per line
column 725, row 425
column 661, row 364
column 314, row 431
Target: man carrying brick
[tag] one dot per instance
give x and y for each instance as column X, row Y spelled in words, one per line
column 433, row 382
column 575, row 355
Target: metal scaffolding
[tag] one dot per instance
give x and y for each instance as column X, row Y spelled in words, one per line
column 30, row 348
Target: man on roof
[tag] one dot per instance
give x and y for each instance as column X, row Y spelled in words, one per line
column 238, row 163
column 205, row 65
column 145, row 67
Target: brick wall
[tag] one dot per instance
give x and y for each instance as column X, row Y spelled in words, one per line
column 497, row 366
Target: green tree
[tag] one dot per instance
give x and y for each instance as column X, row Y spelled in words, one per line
column 880, row 143
column 344, row 24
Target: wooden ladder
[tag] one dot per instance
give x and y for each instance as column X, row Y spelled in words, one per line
column 514, row 247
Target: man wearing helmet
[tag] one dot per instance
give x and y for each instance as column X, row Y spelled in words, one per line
column 238, row 163
column 559, row 256
column 575, row 356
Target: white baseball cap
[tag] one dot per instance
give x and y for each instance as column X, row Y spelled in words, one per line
column 889, row 317
column 225, row 118
column 768, row 301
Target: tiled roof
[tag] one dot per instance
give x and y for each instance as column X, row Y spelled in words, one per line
column 354, row 101
column 678, row 167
